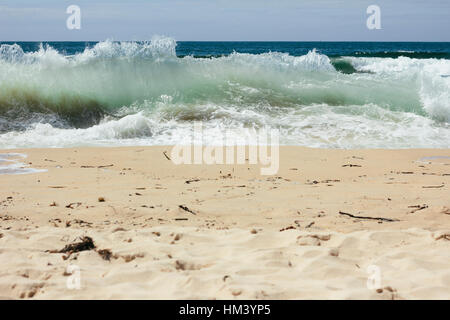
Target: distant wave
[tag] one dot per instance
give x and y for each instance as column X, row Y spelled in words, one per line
column 404, row 53
column 142, row 93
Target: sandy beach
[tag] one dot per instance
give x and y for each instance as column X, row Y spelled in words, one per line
column 316, row 230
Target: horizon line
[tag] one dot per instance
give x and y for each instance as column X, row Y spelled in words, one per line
column 363, row 41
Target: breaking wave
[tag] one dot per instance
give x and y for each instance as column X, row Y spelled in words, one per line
column 128, row 93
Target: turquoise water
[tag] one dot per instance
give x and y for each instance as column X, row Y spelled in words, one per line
column 332, row 49
column 319, row 94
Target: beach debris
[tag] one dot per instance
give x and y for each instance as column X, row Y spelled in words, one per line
column 418, row 207
column 236, row 292
column 183, row 207
column 435, row 187
column 192, row 180
column 106, row 254
column 352, row 165
column 98, row 167
column 445, row 210
column 368, row 218
column 403, row 172
column 389, row 291
column 177, row 237
column 55, row 222
column 101, row 199
column 334, row 252
column 34, row 289
column 287, row 228
column 181, row 219
column 323, row 181
column 165, row 155
column 73, row 205
column 184, row 265
column 57, row 187
column 330, row 180
column 253, row 231
column 442, row 235
column 131, row 257
column 310, row 225
column 82, row 223
column 53, row 204
column 85, row 244
column 179, row 265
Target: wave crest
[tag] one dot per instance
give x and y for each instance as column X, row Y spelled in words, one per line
column 143, row 92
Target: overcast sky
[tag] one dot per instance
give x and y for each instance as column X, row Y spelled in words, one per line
column 280, row 20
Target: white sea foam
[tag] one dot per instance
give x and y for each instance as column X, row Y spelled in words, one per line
column 10, row 164
column 366, row 126
column 434, row 89
column 140, row 93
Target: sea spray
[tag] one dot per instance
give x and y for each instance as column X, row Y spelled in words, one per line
column 128, row 93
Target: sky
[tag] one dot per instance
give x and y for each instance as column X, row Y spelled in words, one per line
column 225, row 20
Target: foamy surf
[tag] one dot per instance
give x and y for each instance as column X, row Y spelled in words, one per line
column 142, row 93
column 10, row 164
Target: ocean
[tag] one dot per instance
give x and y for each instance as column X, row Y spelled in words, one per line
column 318, row 94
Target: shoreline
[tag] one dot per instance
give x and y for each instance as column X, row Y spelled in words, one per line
column 225, row 231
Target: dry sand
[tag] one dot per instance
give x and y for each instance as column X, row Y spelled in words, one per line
column 240, row 235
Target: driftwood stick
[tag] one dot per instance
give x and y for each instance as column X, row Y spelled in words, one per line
column 431, row 187
column 186, row 209
column 369, row 218
column 165, row 155
column 98, row 167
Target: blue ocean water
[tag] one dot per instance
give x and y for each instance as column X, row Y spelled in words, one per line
column 331, row 49
column 317, row 94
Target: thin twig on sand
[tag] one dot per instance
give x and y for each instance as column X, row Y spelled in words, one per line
column 186, row 209
column 368, row 218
